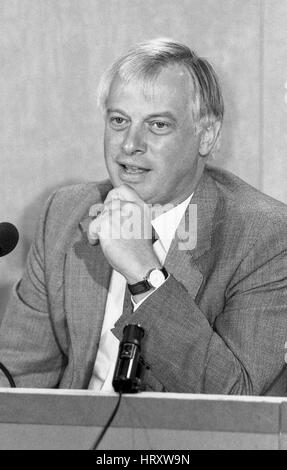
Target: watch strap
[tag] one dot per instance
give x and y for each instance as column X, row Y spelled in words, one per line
column 144, row 286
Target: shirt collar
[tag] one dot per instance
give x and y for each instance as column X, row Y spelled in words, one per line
column 167, row 223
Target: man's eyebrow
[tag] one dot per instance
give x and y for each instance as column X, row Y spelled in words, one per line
column 163, row 114
column 115, row 110
column 160, row 114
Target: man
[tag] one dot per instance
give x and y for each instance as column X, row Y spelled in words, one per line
column 215, row 318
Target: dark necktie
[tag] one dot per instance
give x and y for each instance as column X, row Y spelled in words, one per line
column 154, row 236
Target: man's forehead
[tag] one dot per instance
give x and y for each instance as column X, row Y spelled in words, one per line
column 171, row 81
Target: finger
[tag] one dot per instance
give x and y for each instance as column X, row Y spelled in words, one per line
column 124, row 193
column 93, row 231
column 96, row 209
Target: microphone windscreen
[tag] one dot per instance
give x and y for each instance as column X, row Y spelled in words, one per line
column 9, row 237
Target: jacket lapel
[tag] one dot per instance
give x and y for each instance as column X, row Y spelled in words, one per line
column 194, row 237
column 87, row 275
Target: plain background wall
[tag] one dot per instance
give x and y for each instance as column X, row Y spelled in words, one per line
column 52, row 53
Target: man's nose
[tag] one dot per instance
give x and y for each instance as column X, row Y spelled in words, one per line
column 134, row 141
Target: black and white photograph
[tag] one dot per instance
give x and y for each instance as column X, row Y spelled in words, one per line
column 143, row 227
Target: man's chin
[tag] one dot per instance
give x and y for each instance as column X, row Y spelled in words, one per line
column 141, row 191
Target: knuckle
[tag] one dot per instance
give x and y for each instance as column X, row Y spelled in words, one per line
column 128, row 207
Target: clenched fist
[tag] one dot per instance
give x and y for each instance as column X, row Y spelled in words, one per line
column 124, row 231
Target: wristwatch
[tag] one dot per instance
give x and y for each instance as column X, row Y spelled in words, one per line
column 153, row 279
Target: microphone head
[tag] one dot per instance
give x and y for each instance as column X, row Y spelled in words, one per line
column 9, row 238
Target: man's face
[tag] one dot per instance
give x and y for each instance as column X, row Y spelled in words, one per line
column 150, row 139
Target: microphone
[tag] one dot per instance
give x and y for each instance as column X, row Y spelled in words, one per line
column 9, row 237
column 129, row 363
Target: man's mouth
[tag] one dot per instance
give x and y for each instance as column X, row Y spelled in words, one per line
column 131, row 169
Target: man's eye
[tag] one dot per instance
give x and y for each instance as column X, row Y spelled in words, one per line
column 118, row 122
column 160, row 127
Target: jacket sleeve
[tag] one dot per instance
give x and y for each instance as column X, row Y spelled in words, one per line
column 28, row 347
column 243, row 351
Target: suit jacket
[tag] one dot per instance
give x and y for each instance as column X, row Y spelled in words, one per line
column 218, row 324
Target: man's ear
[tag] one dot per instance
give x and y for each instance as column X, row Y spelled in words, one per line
column 208, row 138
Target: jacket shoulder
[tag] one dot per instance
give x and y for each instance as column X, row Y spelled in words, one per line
column 78, row 198
column 74, row 195
column 248, row 218
column 244, row 200
column 68, row 205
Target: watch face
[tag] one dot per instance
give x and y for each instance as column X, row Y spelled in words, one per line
column 156, row 278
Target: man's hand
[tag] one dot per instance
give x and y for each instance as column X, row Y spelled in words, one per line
column 124, row 230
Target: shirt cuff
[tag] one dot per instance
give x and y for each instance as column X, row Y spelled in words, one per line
column 136, row 305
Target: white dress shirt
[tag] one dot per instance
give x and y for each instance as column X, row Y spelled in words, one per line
column 165, row 226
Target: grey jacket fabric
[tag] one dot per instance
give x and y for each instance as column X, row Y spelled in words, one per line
column 218, row 325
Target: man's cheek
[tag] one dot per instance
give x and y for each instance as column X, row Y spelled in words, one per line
column 111, row 139
column 113, row 149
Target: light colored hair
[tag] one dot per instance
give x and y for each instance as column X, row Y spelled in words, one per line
column 146, row 60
